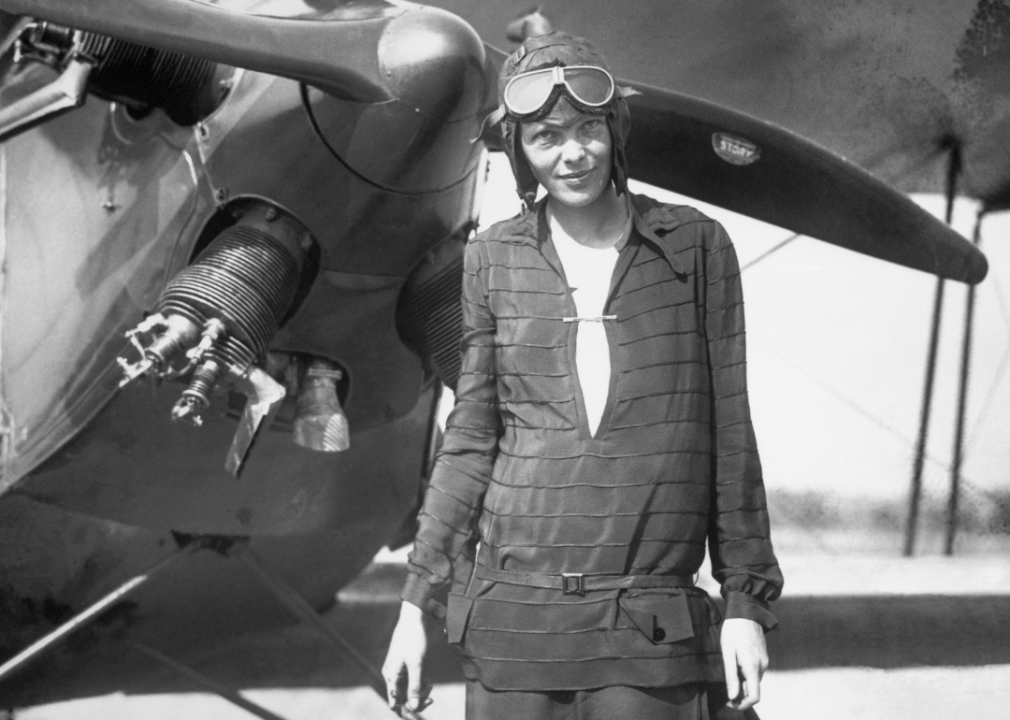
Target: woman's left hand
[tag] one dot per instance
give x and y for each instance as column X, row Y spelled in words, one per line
column 745, row 658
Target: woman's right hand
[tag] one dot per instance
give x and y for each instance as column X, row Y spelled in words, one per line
column 403, row 669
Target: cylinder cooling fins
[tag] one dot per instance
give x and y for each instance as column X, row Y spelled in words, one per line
column 188, row 89
column 429, row 316
column 215, row 320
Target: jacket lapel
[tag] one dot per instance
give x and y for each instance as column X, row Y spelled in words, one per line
column 650, row 216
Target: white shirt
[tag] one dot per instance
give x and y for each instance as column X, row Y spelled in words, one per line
column 589, row 272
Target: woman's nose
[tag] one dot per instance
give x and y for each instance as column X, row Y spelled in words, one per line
column 573, row 151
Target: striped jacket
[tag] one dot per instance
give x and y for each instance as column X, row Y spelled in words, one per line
column 673, row 464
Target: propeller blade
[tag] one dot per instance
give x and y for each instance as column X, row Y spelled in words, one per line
column 336, row 52
column 730, row 159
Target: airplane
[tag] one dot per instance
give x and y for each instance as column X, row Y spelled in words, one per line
column 232, row 239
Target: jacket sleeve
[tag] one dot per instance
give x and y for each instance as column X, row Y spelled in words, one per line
column 743, row 561
column 447, row 523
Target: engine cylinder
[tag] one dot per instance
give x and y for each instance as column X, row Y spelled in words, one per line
column 245, row 278
column 187, row 88
column 429, row 316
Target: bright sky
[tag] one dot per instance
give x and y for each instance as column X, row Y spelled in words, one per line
column 836, row 356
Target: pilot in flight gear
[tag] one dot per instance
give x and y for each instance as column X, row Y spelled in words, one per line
column 601, row 438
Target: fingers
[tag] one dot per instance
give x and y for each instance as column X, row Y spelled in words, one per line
column 750, row 668
column 394, row 672
column 732, row 676
column 422, row 700
column 394, row 688
column 417, row 691
column 745, row 658
column 404, row 688
column 751, row 685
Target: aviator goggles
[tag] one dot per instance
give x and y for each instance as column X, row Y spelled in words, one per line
column 588, row 85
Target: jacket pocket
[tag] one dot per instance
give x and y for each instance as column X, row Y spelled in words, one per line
column 457, row 612
column 661, row 618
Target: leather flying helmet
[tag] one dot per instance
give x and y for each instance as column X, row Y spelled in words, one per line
column 534, row 90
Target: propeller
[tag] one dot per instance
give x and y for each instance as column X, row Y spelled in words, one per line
column 336, row 53
column 730, row 159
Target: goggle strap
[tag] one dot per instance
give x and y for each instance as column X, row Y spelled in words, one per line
column 626, row 92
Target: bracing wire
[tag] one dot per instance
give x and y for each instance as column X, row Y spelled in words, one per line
column 1002, row 301
column 934, row 461
column 1004, row 365
column 990, row 395
column 765, row 254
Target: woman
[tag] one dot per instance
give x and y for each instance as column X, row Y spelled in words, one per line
column 601, row 436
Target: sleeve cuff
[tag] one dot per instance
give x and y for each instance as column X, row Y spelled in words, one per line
column 418, row 591
column 742, row 605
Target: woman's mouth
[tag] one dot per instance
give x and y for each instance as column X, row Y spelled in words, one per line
column 575, row 176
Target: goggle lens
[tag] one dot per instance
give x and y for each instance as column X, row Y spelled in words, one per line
column 527, row 93
column 590, row 86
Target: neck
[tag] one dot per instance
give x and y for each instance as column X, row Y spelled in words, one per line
column 598, row 225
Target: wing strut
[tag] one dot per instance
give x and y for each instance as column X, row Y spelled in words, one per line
column 962, row 402
column 915, row 495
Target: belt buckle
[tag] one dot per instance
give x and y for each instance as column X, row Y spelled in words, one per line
column 568, row 587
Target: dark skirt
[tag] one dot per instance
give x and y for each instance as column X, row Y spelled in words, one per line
column 683, row 702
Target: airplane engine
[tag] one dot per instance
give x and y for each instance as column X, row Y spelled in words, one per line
column 428, row 314
column 215, row 320
column 232, row 300
column 186, row 88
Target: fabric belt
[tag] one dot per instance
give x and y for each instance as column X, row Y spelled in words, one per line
column 580, row 584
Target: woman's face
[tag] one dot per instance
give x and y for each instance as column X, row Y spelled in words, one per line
column 569, row 153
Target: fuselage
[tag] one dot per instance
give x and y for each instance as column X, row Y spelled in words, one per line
column 102, row 207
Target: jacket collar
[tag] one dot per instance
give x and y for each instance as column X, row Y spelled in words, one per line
column 646, row 213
